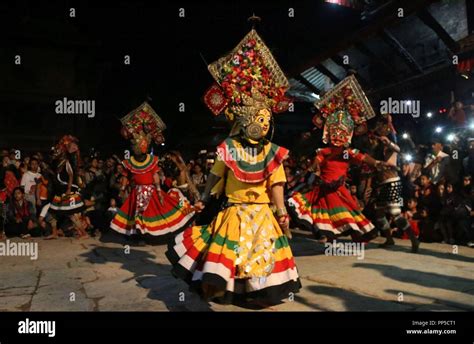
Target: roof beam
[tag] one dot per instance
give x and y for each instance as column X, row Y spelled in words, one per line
column 386, row 17
column 374, row 58
column 327, row 72
column 308, row 84
column 410, row 61
column 414, row 82
column 434, row 25
column 348, row 68
column 340, row 62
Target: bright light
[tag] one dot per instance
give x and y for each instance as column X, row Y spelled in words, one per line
column 451, row 137
column 405, row 136
column 471, row 125
column 408, row 102
column 438, row 129
column 408, row 157
column 163, row 144
column 429, row 114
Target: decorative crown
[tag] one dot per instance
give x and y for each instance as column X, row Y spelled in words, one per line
column 346, row 95
column 143, row 121
column 247, row 80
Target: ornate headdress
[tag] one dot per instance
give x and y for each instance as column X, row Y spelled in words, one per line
column 64, row 142
column 62, row 147
column 348, row 96
column 143, row 125
column 67, row 144
column 248, row 80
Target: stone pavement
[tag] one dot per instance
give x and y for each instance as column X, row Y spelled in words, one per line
column 96, row 274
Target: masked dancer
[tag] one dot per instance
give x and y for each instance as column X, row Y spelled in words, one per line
column 329, row 209
column 243, row 254
column 148, row 209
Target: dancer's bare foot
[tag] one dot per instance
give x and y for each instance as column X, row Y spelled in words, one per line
column 51, row 237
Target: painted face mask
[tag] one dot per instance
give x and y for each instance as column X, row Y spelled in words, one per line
column 338, row 129
column 252, row 117
column 260, row 125
column 339, row 137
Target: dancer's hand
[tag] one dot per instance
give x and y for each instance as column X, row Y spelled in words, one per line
column 160, row 198
column 199, row 206
column 284, row 222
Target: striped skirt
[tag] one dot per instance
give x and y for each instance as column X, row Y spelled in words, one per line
column 67, row 204
column 143, row 213
column 243, row 254
column 333, row 213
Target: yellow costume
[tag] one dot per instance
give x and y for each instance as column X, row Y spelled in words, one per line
column 243, row 252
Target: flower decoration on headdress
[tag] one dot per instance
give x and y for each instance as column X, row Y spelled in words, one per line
column 68, row 144
column 143, row 123
column 248, row 72
column 348, row 96
column 65, row 142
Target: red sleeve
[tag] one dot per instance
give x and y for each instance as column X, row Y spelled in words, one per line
column 321, row 154
column 356, row 156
